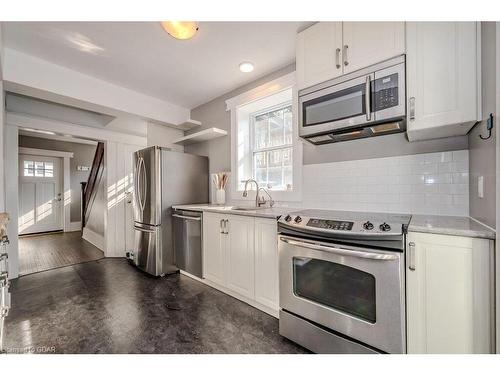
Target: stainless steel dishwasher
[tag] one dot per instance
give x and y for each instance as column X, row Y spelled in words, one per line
column 188, row 241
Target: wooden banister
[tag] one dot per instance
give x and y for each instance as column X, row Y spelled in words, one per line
column 89, row 189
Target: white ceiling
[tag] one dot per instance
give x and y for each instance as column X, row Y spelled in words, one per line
column 142, row 57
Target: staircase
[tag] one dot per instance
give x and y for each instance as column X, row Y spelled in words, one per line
column 89, row 188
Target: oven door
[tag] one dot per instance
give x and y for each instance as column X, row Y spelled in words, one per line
column 336, row 107
column 354, row 291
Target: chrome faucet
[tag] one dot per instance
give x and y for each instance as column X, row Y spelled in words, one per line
column 259, row 200
column 245, row 192
column 262, row 200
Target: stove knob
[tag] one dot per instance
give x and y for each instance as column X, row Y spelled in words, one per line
column 384, row 227
column 298, row 219
column 368, row 225
column 288, row 218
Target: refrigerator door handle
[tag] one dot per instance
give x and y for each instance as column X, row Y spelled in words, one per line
column 145, row 184
column 144, row 229
column 136, row 182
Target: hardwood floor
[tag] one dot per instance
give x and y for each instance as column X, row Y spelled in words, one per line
column 48, row 251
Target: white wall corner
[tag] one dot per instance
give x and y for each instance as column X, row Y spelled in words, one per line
column 94, row 238
column 75, row 226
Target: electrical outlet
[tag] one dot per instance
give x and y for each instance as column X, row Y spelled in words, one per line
column 480, row 187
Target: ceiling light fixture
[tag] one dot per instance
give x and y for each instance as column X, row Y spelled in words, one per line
column 180, row 29
column 246, row 67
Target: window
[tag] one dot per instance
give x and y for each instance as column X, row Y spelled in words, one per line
column 264, row 143
column 272, row 147
column 38, row 168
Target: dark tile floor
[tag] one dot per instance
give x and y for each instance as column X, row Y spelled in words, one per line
column 47, row 251
column 107, row 306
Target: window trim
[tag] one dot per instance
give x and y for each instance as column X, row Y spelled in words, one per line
column 270, row 88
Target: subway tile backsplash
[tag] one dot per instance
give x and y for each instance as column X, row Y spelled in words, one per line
column 435, row 183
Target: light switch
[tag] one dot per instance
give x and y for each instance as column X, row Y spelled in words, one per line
column 480, row 186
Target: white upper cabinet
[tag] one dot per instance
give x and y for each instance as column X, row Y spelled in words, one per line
column 449, row 293
column 442, row 78
column 367, row 43
column 319, row 53
column 330, row 49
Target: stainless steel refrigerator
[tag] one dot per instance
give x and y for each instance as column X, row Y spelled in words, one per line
column 163, row 178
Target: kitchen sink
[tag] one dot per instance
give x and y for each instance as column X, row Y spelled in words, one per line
column 246, row 208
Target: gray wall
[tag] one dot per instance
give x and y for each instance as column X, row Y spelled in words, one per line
column 161, row 135
column 82, row 155
column 214, row 113
column 95, row 221
column 482, row 154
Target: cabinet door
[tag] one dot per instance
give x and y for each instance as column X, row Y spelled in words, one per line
column 319, row 53
column 266, row 263
column 213, row 248
column 442, row 78
column 448, row 294
column 240, row 255
column 367, row 43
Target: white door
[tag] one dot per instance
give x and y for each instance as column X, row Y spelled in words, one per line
column 213, row 247
column 266, row 262
column 41, row 198
column 240, row 255
column 449, row 300
column 368, row 43
column 319, row 50
column 442, row 78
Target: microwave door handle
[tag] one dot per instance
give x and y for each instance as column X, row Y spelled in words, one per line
column 339, row 251
column 368, row 99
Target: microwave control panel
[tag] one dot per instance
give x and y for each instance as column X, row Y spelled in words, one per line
column 385, row 93
column 330, row 224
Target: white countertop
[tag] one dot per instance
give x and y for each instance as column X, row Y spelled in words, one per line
column 450, row 225
column 270, row 213
column 437, row 224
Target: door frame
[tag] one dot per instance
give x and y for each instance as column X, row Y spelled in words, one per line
column 66, row 182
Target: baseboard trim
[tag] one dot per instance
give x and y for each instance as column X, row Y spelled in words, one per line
column 75, row 226
column 94, row 238
column 268, row 310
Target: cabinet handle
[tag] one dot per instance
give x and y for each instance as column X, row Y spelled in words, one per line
column 337, row 58
column 345, row 55
column 220, row 226
column 412, row 108
column 226, row 231
column 411, row 256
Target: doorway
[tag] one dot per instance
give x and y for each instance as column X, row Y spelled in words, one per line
column 40, row 194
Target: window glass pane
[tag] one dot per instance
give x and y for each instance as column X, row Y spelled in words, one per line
column 49, row 169
column 276, row 129
column 337, row 286
column 29, row 168
column 261, row 132
column 39, row 169
column 287, row 121
column 29, row 172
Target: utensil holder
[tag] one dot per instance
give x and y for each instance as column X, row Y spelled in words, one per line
column 220, row 196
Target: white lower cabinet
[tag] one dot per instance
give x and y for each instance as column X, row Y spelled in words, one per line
column 241, row 258
column 266, row 263
column 449, row 291
column 240, row 254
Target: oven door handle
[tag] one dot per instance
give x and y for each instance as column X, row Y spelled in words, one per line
column 339, row 251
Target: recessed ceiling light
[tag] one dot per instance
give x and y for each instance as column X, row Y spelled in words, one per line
column 246, row 67
column 180, row 29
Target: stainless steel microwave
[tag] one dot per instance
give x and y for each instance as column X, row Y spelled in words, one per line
column 366, row 103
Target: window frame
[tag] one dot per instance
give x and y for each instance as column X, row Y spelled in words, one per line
column 271, row 88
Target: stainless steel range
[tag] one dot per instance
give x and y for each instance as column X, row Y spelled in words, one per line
column 342, row 281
